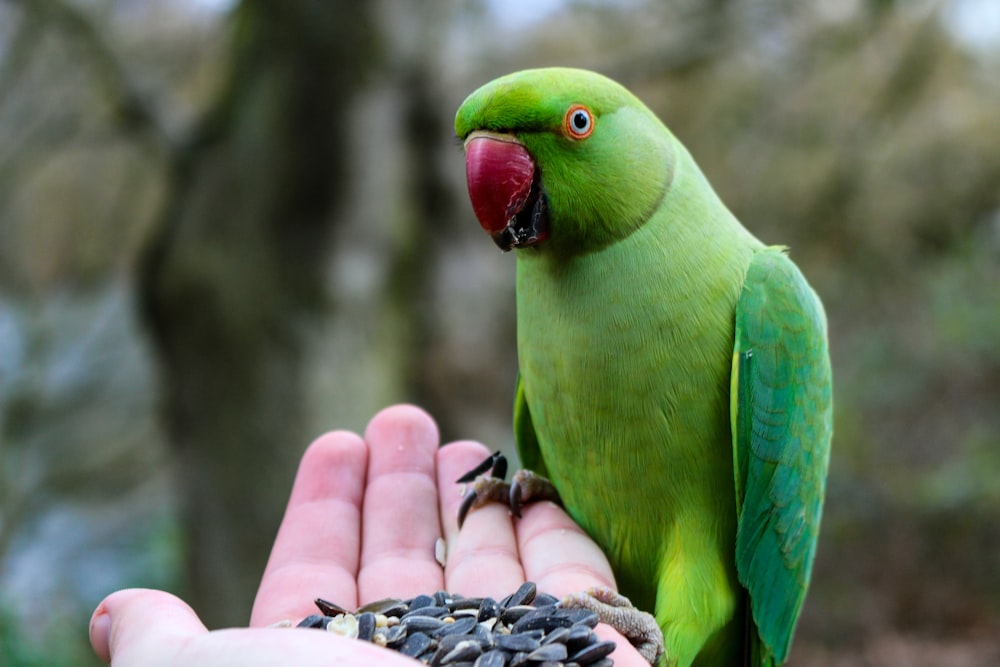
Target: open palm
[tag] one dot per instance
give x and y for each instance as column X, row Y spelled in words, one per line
column 361, row 525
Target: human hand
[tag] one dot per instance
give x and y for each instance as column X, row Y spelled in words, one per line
column 361, row 524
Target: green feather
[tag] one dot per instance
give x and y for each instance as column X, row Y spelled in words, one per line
column 782, row 429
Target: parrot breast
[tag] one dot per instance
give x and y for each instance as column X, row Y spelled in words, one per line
column 504, row 190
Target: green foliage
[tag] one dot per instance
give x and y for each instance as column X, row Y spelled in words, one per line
column 61, row 642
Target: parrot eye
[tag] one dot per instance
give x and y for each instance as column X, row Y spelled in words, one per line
column 579, row 122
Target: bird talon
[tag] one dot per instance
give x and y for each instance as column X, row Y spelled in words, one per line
column 495, row 462
column 528, row 487
column 467, row 502
column 488, row 485
column 638, row 627
column 483, row 489
column 514, row 497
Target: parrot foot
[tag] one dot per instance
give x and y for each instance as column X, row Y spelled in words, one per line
column 616, row 610
column 488, row 485
column 527, row 487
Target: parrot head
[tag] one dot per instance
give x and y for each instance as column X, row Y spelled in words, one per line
column 562, row 158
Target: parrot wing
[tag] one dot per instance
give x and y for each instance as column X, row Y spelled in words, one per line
column 782, row 425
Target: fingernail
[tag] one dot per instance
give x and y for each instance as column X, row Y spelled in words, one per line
column 100, row 633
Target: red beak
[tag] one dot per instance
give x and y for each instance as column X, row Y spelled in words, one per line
column 502, row 183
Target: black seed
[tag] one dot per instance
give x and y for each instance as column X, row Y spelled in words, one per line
column 523, row 595
column 460, row 626
column 544, row 599
column 415, row 644
column 548, row 652
column 520, row 642
column 492, row 658
column 518, row 659
column 449, row 642
column 395, row 635
column 575, row 616
column 427, row 612
column 465, row 651
column 525, row 629
column 366, row 625
column 557, row 636
column 386, row 607
column 421, row 601
column 580, row 635
column 459, row 603
column 329, row 608
column 515, row 613
column 483, row 635
column 488, row 609
column 431, row 656
column 426, row 624
column 312, row 621
column 544, row 618
column 591, row 654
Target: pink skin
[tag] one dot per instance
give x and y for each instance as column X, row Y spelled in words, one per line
column 360, row 525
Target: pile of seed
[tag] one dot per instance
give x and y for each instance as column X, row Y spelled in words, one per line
column 526, row 628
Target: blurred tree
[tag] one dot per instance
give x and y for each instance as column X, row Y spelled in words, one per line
column 234, row 273
column 864, row 134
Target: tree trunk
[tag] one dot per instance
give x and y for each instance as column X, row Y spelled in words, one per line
column 234, row 274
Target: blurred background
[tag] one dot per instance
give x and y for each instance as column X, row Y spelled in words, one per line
column 227, row 226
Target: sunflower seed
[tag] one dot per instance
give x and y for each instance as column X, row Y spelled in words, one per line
column 544, row 599
column 549, row 652
column 465, row 651
column 421, row 601
column 460, row 626
column 492, row 658
column 525, row 629
column 329, row 608
column 415, row 644
column 366, row 626
column 426, row 624
column 312, row 621
column 591, row 654
column 516, row 643
column 387, row 607
column 488, row 608
column 523, row 595
column 431, row 611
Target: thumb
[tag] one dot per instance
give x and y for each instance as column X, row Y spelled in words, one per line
column 140, row 623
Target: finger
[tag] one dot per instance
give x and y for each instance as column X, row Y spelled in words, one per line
column 136, row 623
column 482, row 557
column 317, row 548
column 400, row 513
column 625, row 655
column 144, row 628
column 556, row 553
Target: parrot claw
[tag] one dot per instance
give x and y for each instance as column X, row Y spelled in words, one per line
column 488, row 486
column 483, row 490
column 614, row 609
column 527, row 487
column 496, row 462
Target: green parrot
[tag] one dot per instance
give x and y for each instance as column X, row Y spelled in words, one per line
column 674, row 376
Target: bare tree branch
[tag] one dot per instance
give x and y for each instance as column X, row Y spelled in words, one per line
column 133, row 111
